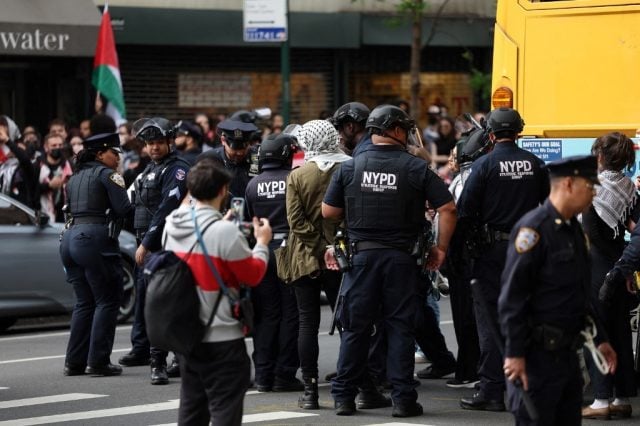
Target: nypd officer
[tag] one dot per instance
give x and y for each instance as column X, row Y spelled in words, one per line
column 159, row 190
column 275, row 338
column 238, row 157
column 350, row 120
column 501, row 188
column 544, row 298
column 188, row 141
column 382, row 194
column 98, row 204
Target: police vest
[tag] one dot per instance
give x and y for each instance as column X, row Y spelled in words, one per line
column 381, row 197
column 148, row 187
column 87, row 194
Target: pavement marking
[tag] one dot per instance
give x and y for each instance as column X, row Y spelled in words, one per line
column 63, row 333
column 3, row 388
column 94, row 414
column 264, row 417
column 398, row 424
column 48, row 399
column 42, row 358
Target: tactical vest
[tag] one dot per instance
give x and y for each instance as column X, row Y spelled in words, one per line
column 148, row 187
column 381, row 196
column 87, row 194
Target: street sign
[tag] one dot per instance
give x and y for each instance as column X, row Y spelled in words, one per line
column 265, row 20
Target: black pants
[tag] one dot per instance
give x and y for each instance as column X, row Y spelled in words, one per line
column 464, row 324
column 215, row 377
column 92, row 263
column 139, row 341
column 428, row 334
column 555, row 387
column 307, row 291
column 487, row 269
column 275, row 334
column 615, row 319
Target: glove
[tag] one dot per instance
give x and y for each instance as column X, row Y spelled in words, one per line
column 612, row 281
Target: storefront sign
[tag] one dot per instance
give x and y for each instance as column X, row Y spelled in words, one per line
column 47, row 40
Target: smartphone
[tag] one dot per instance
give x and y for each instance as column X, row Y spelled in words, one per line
column 237, row 204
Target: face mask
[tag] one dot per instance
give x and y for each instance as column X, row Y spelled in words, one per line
column 56, row 153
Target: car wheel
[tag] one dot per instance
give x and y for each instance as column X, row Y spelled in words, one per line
column 6, row 323
column 127, row 306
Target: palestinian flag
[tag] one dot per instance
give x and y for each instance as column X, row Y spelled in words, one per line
column 106, row 71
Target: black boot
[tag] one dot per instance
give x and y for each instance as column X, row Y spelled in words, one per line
column 309, row 400
column 174, row 369
column 159, row 373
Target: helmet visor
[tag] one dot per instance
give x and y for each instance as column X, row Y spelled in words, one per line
column 149, row 129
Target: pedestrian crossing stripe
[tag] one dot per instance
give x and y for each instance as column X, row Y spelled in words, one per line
column 48, row 399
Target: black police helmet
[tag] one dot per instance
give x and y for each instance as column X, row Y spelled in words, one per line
column 279, row 149
column 244, row 116
column 352, row 111
column 505, row 120
column 386, row 117
column 473, row 147
column 153, row 129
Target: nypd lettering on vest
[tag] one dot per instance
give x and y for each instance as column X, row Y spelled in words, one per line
column 514, row 170
column 271, row 189
column 378, row 182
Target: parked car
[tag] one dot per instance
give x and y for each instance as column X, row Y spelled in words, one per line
column 33, row 281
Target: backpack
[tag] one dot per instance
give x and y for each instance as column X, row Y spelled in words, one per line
column 172, row 304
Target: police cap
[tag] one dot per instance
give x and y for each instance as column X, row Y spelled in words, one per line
column 244, row 116
column 102, row 142
column 187, row 128
column 238, row 133
column 585, row 166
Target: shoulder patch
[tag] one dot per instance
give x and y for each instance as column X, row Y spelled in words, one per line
column 181, row 174
column 117, row 179
column 526, row 239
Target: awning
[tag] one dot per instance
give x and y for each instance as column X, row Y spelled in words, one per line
column 48, row 27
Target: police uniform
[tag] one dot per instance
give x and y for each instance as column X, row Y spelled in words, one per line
column 237, row 134
column 501, row 188
column 159, row 190
column 97, row 200
column 383, row 193
column 543, row 303
column 275, row 336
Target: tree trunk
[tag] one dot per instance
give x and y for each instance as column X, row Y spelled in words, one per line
column 416, row 47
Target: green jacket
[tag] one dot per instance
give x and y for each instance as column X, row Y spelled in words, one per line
column 309, row 233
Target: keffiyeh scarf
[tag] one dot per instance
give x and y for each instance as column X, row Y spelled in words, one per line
column 614, row 198
column 322, row 142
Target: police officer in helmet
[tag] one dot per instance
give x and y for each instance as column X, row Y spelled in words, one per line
column 98, row 204
column 382, row 195
column 275, row 337
column 501, row 188
column 350, row 120
column 236, row 153
column 159, row 190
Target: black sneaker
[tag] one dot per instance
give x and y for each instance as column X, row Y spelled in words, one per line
column 479, row 402
column 407, row 410
column 345, row 408
column 435, row 372
column 159, row 375
column 368, row 400
column 104, row 370
column 133, row 360
column 287, row 385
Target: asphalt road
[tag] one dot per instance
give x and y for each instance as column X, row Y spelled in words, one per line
column 34, row 391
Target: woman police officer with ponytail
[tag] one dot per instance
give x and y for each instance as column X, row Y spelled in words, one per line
column 91, row 256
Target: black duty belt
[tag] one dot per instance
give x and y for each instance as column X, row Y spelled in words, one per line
column 552, row 338
column 83, row 220
column 373, row 245
column 500, row 236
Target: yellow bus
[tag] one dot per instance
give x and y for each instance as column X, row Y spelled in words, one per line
column 571, row 68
